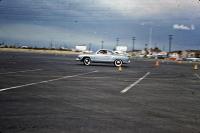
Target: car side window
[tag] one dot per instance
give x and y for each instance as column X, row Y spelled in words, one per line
column 102, row 52
column 109, row 53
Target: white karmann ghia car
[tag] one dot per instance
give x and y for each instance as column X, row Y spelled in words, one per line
column 104, row 56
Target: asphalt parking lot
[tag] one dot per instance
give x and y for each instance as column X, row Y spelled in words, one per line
column 56, row 94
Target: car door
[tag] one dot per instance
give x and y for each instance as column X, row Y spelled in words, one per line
column 103, row 56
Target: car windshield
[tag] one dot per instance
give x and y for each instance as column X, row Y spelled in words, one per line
column 108, row 52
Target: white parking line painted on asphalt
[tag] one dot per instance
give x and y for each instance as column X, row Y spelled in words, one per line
column 135, row 83
column 22, row 71
column 46, row 81
column 197, row 75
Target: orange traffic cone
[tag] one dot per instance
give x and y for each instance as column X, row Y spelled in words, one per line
column 157, row 64
column 195, row 67
column 179, row 62
column 120, row 68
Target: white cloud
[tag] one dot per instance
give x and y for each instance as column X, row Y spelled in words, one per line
column 192, row 27
column 140, row 8
column 183, row 27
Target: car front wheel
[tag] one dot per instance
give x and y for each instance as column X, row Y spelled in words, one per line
column 118, row 63
column 87, row 61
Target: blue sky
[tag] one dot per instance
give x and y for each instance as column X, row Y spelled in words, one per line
column 74, row 22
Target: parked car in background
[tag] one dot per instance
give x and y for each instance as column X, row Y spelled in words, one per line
column 104, row 56
column 193, row 59
column 161, row 56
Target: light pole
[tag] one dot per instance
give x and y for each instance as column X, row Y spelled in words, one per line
column 90, row 46
column 170, row 42
column 133, row 48
column 117, row 41
column 102, row 44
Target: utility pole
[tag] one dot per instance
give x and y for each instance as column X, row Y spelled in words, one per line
column 146, row 46
column 150, row 37
column 163, row 47
column 117, row 39
column 51, row 45
column 133, row 38
column 90, row 46
column 102, row 44
column 170, row 42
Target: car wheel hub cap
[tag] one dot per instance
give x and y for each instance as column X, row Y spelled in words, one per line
column 87, row 61
column 118, row 62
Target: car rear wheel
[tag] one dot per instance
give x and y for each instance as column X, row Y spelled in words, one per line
column 118, row 63
column 87, row 61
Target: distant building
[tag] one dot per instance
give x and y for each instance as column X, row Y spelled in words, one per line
column 152, row 52
column 24, row 46
column 162, row 53
column 81, row 48
column 180, row 55
column 136, row 53
column 191, row 54
column 121, row 49
column 175, row 54
column 185, row 54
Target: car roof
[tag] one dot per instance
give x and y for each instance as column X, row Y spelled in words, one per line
column 104, row 49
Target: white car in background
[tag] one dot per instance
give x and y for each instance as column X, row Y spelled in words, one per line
column 193, row 59
column 104, row 56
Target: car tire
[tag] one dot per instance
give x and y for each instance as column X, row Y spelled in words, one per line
column 118, row 63
column 87, row 61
